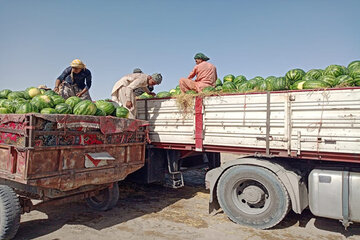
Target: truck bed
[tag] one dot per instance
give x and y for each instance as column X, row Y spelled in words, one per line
column 311, row 124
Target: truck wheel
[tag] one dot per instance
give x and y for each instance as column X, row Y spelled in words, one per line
column 9, row 212
column 253, row 196
column 107, row 199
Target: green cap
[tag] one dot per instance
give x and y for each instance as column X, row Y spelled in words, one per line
column 201, row 56
column 157, row 77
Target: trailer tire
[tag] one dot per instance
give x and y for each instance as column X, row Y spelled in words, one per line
column 107, row 199
column 10, row 212
column 253, row 196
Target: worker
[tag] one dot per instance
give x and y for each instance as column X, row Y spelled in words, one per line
column 139, row 91
column 205, row 73
column 123, row 90
column 74, row 81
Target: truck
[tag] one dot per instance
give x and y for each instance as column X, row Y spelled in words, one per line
column 285, row 150
column 61, row 158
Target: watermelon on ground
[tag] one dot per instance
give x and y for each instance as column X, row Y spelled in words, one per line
column 294, row 75
column 85, row 107
column 228, row 78
column 27, row 108
column 315, row 84
column 122, row 112
column 4, row 110
column 107, row 107
column 48, row 111
column 63, row 108
column 163, row 94
column 314, row 73
column 334, row 70
column 57, row 99
column 4, row 93
column 72, row 101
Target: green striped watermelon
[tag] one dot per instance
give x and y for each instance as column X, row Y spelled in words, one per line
column 315, row 84
column 239, row 79
column 329, row 79
column 72, row 101
column 4, row 93
column 4, row 110
column 85, row 107
column 245, row 87
column 218, row 88
column 208, row 89
column 27, row 108
column 176, row 93
column 335, row 70
column 63, row 108
column 355, row 72
column 357, row 81
column 163, row 94
column 229, row 87
column 50, row 93
column 270, row 78
column 262, row 86
column 345, row 80
column 122, row 112
column 294, row 75
column 42, row 101
column 107, row 107
column 48, row 111
column 57, row 99
column 277, row 84
column 353, row 64
column 298, row 85
column 314, row 73
column 9, row 104
column 145, row 95
column 100, row 112
column 218, row 82
column 228, row 78
column 16, row 94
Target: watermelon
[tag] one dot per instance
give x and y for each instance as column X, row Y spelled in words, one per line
column 32, row 91
column 276, row 84
column 16, row 94
column 9, row 104
column 308, row 77
column 48, row 111
column 254, row 82
column 218, row 88
column 245, row 87
column 26, row 108
column 314, row 73
column 50, row 93
column 315, row 84
column 146, row 95
column 57, row 99
column 355, row 72
column 262, row 86
column 335, row 70
column 259, row 78
column 229, row 87
column 329, row 79
column 172, row 91
column 218, row 82
column 4, row 110
column 357, row 81
column 240, row 79
column 345, row 80
column 2, row 100
column 191, row 92
column 353, row 64
column 177, row 92
column 228, row 78
column 42, row 91
column 163, row 94
column 26, row 95
column 270, row 78
column 63, row 108
column 177, row 87
column 298, row 85
column 122, row 112
column 100, row 112
column 4, row 93
column 107, row 107
column 85, row 107
column 42, row 101
column 294, row 75
column 208, row 89
column 72, row 101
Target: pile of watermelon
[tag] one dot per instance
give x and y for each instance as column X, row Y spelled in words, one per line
column 333, row 76
column 34, row 100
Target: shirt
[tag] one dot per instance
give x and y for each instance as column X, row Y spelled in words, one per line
column 131, row 82
column 205, row 73
column 82, row 79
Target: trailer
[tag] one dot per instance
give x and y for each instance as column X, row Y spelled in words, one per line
column 62, row 158
column 289, row 150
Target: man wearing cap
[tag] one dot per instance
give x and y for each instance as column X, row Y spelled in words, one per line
column 123, row 90
column 205, row 74
column 139, row 91
column 74, row 81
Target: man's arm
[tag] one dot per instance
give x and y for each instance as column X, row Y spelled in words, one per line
column 193, row 73
column 88, row 85
column 61, row 78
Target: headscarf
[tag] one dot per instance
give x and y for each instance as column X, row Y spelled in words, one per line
column 201, row 56
column 77, row 63
column 137, row 70
column 157, row 77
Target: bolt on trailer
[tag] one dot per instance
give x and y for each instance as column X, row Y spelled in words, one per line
column 290, row 150
column 63, row 158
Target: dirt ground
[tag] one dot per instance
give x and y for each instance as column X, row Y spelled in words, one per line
column 157, row 212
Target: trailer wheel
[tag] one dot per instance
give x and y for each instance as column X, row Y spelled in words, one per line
column 107, row 199
column 9, row 212
column 253, row 196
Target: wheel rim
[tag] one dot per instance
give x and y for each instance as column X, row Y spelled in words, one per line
column 250, row 196
column 100, row 198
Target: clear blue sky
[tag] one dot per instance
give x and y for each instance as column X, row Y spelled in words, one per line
column 39, row 39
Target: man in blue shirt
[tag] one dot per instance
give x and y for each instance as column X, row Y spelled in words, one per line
column 74, row 81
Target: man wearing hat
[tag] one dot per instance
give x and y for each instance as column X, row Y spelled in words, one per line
column 123, row 90
column 74, row 81
column 205, row 74
column 141, row 90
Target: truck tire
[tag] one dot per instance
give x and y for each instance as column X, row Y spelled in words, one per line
column 107, row 199
column 253, row 196
column 10, row 212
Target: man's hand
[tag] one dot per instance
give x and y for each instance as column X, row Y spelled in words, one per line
column 152, row 94
column 129, row 104
column 81, row 93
